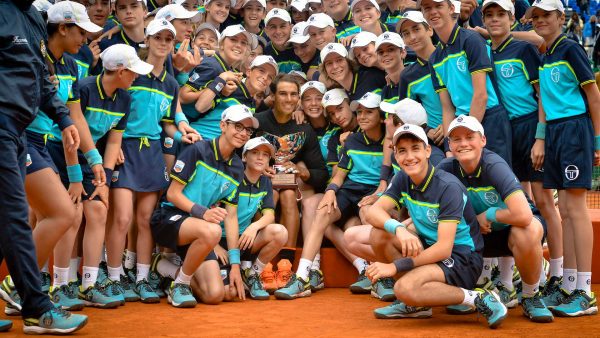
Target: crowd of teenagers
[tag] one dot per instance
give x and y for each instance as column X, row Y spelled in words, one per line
column 143, row 143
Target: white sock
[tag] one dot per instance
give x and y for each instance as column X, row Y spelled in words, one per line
column 142, row 271
column 45, row 268
column 258, row 267
column 584, row 282
column 61, row 276
column 569, row 279
column 316, row 264
column 245, row 265
column 542, row 273
column 556, row 267
column 90, row 275
column 167, row 269
column 494, row 261
column 470, row 296
column 529, row 290
column 486, row 272
column 182, row 278
column 506, row 266
column 73, row 268
column 114, row 274
column 122, row 271
column 130, row 259
column 303, row 268
column 360, row 264
column 173, row 258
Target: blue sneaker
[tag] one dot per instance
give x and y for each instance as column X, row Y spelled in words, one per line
column 46, row 281
column 491, row 307
column 495, row 275
column 487, row 284
column 295, row 288
column 552, row 294
column 362, row 284
column 315, row 279
column 98, row 296
column 460, row 309
column 146, row 292
column 64, row 298
column 400, row 310
column 508, row 297
column 154, row 278
column 253, row 285
column 74, row 287
column 5, row 325
column 128, row 293
column 383, row 289
column 114, row 290
column 102, row 271
column 54, row 321
column 9, row 294
column 180, row 295
column 577, row 304
column 535, row 309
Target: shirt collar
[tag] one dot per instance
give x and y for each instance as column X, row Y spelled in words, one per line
column 555, row 44
column 249, row 183
column 504, row 43
column 101, row 91
column 422, row 61
column 476, row 173
column 222, row 62
column 217, row 151
column 52, row 59
column 453, row 36
column 425, row 184
column 161, row 77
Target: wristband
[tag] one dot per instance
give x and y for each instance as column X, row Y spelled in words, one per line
column 217, row 85
column 108, row 172
column 234, row 256
column 404, row 264
column 540, row 131
column 332, row 186
column 74, row 173
column 490, row 214
column 385, row 172
column 391, row 225
column 177, row 136
column 180, row 117
column 93, row 157
column 198, row 211
column 597, row 142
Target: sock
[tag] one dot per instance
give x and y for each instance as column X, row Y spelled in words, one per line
column 486, row 273
column 542, row 274
column 584, row 282
column 173, row 258
column 114, row 274
column 506, row 266
column 569, row 279
column 258, row 267
column 556, row 267
column 73, row 268
column 45, row 268
column 245, row 265
column 316, row 264
column 90, row 275
column 103, row 254
column 303, row 268
column 494, row 261
column 182, row 278
column 360, row 264
column 61, row 276
column 470, row 296
column 142, row 271
column 529, row 290
column 167, row 269
column 288, row 253
column 129, row 259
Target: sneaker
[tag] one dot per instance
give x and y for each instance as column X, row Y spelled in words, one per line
column 295, row 288
column 383, row 289
column 535, row 309
column 508, row 297
column 63, row 297
column 486, row 285
column 74, row 287
column 460, row 309
column 130, row 273
column 400, row 310
column 9, row 293
column 316, row 281
column 5, row 325
column 98, row 296
column 491, row 307
column 578, row 303
column 552, row 294
column 284, row 273
column 102, row 271
column 154, row 278
column 253, row 285
column 54, row 321
column 128, row 293
column 114, row 290
column 46, row 281
column 180, row 295
column 495, row 276
column 362, row 284
column 516, row 275
column 10, row 310
column 268, row 279
column 146, row 292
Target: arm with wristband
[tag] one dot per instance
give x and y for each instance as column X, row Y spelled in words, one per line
column 87, row 145
column 329, row 200
column 75, row 175
column 233, row 251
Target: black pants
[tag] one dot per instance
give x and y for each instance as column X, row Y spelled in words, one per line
column 16, row 241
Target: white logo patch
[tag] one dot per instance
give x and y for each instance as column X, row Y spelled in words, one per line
column 225, row 186
column 432, row 215
column 164, row 105
column 194, row 77
column 491, row 197
column 28, row 161
column 555, row 74
column 179, row 165
column 19, row 41
column 507, row 70
column 449, row 262
column 168, row 142
column 175, row 218
column 571, row 172
column 461, row 64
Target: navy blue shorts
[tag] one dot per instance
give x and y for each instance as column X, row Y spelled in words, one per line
column 38, row 157
column 497, row 132
column 495, row 244
column 144, row 169
column 523, row 131
column 169, row 146
column 347, row 199
column 245, row 255
column 569, row 153
column 463, row 267
column 58, row 156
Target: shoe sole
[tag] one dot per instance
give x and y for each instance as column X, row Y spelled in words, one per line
column 184, row 305
column 359, row 291
column 317, row 288
column 11, row 311
column 259, row 297
column 386, row 298
column 416, row 315
column 460, row 313
column 151, row 300
column 111, row 305
column 76, row 307
column 6, row 297
column 6, row 327
column 588, row 312
column 512, row 304
column 43, row 330
column 539, row 319
column 285, row 296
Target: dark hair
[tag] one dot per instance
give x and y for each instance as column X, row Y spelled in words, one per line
column 409, row 136
column 52, row 28
column 283, row 78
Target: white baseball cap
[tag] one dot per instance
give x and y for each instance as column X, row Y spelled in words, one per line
column 124, row 56
column 419, row 3
column 232, row 2
column 239, row 113
column 457, row 5
column 144, row 1
column 42, row 5
column 175, row 11
column 298, row 73
column 410, row 129
column 263, row 3
column 391, row 38
column 313, row 1
column 298, row 34
column 333, row 47
column 334, row 97
column 313, row 84
column 278, row 13
column 265, row 59
column 256, row 142
column 360, row 40
column 414, row 16
column 373, row 2
column 235, row 30
column 507, row 5
column 72, row 12
column 369, row 100
column 319, row 20
column 408, row 111
column 157, row 25
column 547, row 5
column 468, row 122
column 210, row 27
column 300, row 5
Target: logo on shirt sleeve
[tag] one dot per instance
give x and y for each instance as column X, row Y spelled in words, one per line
column 432, row 215
column 179, row 165
column 491, row 197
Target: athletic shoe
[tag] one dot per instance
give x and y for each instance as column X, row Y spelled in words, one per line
column 154, row 281
column 362, row 284
column 516, row 276
column 5, row 325
column 491, row 307
column 577, row 304
column 495, row 275
column 74, row 287
column 130, row 273
column 54, row 321
column 295, row 288
column 268, row 279
column 486, row 285
column 460, row 309
column 400, row 310
column 128, row 293
column 284, row 273
column 253, row 285
column 552, row 294
column 63, row 297
column 9, row 293
column 519, row 290
column 114, row 290
column 102, row 271
column 535, row 309
column 316, row 281
column 508, row 297
column 10, row 310
column 98, row 296
column 546, row 266
column 46, row 282
column 383, row 289
column 146, row 292
column 180, row 295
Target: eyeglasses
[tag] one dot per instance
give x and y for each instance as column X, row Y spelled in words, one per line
column 240, row 128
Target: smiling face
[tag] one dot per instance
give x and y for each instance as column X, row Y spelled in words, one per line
column 320, row 37
column 257, row 159
column 260, row 77
column 341, row 115
column 497, row 21
column 184, row 29
column 161, row 44
column 218, row 10
column 412, row 155
column 234, row 48
column 366, row 55
column 311, row 103
column 365, row 15
column 466, row 145
column 305, row 51
column 278, row 31
column 437, row 14
column 336, row 67
column 416, row 36
column 368, row 118
column 130, row 13
column 390, row 57
column 547, row 24
column 286, row 97
column 238, row 133
column 253, row 14
column 206, row 39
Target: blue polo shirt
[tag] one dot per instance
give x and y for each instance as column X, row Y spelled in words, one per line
column 415, row 83
column 334, row 146
column 366, row 79
column 84, row 59
column 346, row 26
column 253, row 197
column 120, row 38
column 208, row 177
column 391, row 19
column 516, row 65
column 323, row 136
column 565, row 69
column 519, row 27
column 361, row 158
column 490, row 185
column 452, row 64
column 286, row 59
column 390, row 93
column 440, row 197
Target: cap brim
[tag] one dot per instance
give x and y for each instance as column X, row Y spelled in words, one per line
column 530, row 10
column 299, row 39
column 462, row 126
column 387, row 107
column 397, row 44
column 140, row 67
column 267, row 144
column 89, row 27
column 397, row 136
column 334, row 102
column 275, row 66
column 483, row 7
column 403, row 20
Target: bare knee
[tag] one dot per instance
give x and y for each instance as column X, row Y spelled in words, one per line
column 277, row 233
column 209, row 232
column 351, row 238
column 287, row 198
column 404, row 289
column 213, row 295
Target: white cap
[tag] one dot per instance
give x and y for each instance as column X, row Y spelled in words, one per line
column 507, row 5
column 298, row 73
column 414, row 16
column 466, row 121
column 239, row 113
column 419, row 3
column 157, row 25
column 319, row 20
column 124, row 56
column 234, row 30
column 369, row 100
column 373, row 2
column 298, row 34
column 333, row 47
column 265, row 59
column 410, row 129
column 174, row 11
column 360, row 40
column 278, row 13
column 256, row 142
column 210, row 27
column 42, row 5
column 232, row 2
column 391, row 38
column 263, row 3
column 72, row 12
column 547, row 5
column 334, row 97
column 313, row 84
column 300, row 5
column 144, row 1
column 408, row 111
column 457, row 5
column 313, row 2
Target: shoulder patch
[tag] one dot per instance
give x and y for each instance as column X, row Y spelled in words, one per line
column 179, row 165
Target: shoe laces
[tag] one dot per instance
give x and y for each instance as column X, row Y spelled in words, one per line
column 291, row 281
column 254, row 281
column 363, row 275
column 125, row 282
column 482, row 306
column 534, row 301
column 67, row 291
column 387, row 282
column 58, row 311
column 144, row 285
column 183, row 289
column 551, row 286
column 570, row 298
column 102, row 289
